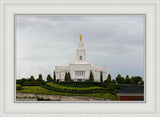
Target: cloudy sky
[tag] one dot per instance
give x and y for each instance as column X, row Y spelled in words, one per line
column 46, row 41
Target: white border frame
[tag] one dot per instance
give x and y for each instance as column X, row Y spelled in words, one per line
column 144, row 57
column 9, row 8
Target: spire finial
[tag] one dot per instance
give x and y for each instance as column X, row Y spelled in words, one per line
column 80, row 38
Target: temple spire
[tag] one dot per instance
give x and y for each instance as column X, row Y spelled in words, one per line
column 80, row 38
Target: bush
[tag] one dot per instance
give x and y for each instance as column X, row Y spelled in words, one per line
column 42, row 99
column 19, row 87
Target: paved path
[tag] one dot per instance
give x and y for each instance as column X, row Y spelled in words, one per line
column 28, row 96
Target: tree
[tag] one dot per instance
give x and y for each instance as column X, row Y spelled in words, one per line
column 108, row 79
column 136, row 79
column 66, row 77
column 40, row 80
column 39, row 77
column 119, row 79
column 24, row 80
column 91, row 77
column 49, row 78
column 141, row 82
column 127, row 80
column 57, row 80
column 31, row 78
column 54, row 80
column 69, row 76
column 113, row 81
column 101, row 77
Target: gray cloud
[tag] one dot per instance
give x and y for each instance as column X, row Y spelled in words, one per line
column 114, row 41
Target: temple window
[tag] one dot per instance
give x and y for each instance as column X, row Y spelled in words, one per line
column 80, row 57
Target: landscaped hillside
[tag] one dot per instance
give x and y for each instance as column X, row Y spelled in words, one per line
column 106, row 90
column 55, row 89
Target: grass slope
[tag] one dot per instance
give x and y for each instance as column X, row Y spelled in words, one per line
column 40, row 90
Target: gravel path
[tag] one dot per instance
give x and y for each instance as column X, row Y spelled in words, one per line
column 30, row 96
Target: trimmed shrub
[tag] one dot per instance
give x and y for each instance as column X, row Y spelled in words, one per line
column 19, row 87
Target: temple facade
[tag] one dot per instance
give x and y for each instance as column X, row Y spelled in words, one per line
column 80, row 68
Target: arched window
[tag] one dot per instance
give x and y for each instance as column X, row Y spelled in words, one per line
column 80, row 57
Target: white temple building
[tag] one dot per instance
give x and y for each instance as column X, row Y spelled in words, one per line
column 80, row 68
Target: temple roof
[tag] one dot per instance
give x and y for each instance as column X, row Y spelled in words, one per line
column 132, row 89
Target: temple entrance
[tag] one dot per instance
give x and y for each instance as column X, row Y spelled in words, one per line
column 79, row 80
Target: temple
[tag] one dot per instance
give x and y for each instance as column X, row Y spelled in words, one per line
column 80, row 68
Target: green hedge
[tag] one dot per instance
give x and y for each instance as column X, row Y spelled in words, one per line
column 78, row 88
column 83, row 84
column 74, row 90
column 102, row 88
column 77, row 84
column 32, row 83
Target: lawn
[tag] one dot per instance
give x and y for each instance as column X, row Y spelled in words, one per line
column 40, row 90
